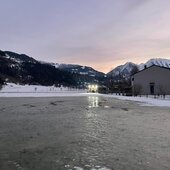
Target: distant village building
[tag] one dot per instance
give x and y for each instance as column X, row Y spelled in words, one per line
column 154, row 80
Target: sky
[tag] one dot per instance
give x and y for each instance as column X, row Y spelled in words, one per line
column 98, row 33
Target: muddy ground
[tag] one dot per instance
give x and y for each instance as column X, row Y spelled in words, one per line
column 90, row 132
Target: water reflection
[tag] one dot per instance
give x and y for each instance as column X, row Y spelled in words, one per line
column 97, row 167
column 93, row 101
column 93, row 141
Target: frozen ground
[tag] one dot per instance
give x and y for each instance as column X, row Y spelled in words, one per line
column 83, row 133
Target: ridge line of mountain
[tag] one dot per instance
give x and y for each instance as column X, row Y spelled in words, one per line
column 124, row 69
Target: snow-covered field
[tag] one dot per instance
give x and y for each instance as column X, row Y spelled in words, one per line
column 13, row 90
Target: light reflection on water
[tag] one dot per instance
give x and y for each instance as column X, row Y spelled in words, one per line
column 90, row 143
column 91, row 168
column 93, row 101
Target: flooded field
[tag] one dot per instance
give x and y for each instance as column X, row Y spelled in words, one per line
column 83, row 133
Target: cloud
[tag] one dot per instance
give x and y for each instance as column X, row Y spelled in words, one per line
column 135, row 4
column 98, row 33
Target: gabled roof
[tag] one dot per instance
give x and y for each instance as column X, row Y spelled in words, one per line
column 150, row 67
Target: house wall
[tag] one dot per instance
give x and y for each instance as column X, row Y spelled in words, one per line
column 157, row 75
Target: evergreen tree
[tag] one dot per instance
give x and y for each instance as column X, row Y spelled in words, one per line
column 1, row 83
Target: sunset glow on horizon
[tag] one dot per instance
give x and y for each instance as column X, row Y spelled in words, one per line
column 97, row 33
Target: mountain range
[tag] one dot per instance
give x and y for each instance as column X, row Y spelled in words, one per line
column 20, row 68
column 130, row 68
column 24, row 69
column 78, row 69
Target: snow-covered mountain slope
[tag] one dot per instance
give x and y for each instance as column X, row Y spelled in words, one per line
column 82, row 70
column 20, row 68
column 78, row 69
column 155, row 61
column 123, row 70
column 19, row 58
column 129, row 68
column 19, row 65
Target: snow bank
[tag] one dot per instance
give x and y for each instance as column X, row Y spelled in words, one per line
column 145, row 101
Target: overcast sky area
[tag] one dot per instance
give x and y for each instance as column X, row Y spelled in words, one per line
column 97, row 33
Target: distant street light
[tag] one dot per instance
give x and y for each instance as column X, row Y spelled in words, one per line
column 92, row 88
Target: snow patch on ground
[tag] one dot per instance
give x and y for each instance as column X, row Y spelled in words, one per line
column 145, row 101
